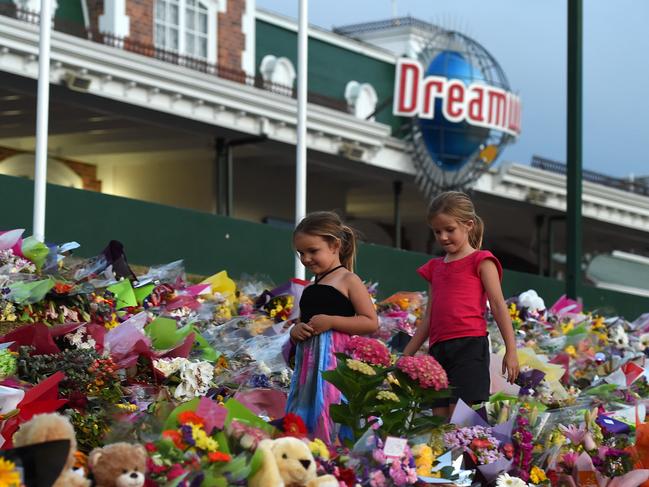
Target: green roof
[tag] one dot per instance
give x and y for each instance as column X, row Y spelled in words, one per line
column 331, row 67
column 70, row 10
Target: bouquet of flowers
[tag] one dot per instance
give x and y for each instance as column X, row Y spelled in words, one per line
column 192, row 378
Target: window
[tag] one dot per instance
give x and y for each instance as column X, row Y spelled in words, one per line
column 187, row 27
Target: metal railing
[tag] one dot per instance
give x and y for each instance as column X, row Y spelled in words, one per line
column 171, row 57
column 634, row 186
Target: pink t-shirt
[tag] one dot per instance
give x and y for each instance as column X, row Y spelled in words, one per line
column 459, row 300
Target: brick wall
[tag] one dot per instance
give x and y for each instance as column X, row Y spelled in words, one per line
column 231, row 39
column 141, row 15
column 95, row 9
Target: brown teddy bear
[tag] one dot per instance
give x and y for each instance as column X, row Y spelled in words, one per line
column 50, row 427
column 288, row 462
column 118, row 465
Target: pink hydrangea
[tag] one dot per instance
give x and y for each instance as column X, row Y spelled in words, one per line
column 368, row 350
column 425, row 370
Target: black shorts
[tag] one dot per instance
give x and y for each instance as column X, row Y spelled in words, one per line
column 466, row 362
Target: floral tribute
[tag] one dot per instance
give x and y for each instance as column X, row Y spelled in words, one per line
column 392, row 397
column 193, row 450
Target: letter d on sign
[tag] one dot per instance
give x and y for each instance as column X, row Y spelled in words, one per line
column 406, row 87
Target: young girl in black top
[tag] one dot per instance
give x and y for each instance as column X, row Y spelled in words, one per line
column 332, row 309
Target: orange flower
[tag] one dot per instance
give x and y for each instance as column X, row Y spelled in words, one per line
column 62, row 288
column 176, row 437
column 190, row 417
column 218, row 456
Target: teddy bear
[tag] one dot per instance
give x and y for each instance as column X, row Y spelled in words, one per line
column 288, row 462
column 50, row 427
column 118, row 465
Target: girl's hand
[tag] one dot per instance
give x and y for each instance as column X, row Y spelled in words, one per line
column 300, row 332
column 320, row 323
column 510, row 365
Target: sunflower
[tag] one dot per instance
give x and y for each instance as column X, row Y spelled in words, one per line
column 9, row 476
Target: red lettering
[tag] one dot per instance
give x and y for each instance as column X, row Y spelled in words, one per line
column 408, row 76
column 496, row 107
column 474, row 110
column 433, row 88
column 454, row 106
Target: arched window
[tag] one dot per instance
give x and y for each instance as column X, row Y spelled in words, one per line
column 187, row 27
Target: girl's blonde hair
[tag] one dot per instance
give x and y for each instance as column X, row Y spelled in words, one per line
column 328, row 225
column 458, row 205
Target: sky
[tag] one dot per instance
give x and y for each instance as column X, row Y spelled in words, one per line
column 528, row 39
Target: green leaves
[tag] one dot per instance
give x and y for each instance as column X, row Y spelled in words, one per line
column 399, row 418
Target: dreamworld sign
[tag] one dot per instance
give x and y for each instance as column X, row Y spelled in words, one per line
column 476, row 103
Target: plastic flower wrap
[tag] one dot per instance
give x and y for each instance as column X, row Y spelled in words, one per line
column 374, row 466
column 490, row 448
column 399, row 314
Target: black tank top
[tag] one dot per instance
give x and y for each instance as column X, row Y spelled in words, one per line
column 323, row 299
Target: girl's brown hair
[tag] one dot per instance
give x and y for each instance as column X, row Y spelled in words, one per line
column 328, row 225
column 459, row 206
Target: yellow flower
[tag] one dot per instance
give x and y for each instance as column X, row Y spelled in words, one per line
column 387, row 396
column 203, row 441
column 393, row 380
column 361, row 367
column 319, row 449
column 537, row 475
column 9, row 476
column 570, row 350
column 598, row 323
column 424, row 459
column 513, row 312
column 130, row 408
column 113, row 323
column 566, row 327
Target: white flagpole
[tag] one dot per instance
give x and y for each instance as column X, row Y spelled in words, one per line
column 42, row 116
column 300, row 163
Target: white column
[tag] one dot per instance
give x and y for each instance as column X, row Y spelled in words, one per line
column 42, row 117
column 114, row 19
column 300, row 160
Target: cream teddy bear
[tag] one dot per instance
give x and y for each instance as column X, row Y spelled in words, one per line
column 288, row 462
column 51, row 427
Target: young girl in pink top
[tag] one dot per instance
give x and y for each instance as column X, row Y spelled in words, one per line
column 459, row 285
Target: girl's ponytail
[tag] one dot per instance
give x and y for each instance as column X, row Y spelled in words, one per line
column 476, row 233
column 348, row 247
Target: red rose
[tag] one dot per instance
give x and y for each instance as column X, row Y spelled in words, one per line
column 479, row 443
column 347, row 476
column 508, row 450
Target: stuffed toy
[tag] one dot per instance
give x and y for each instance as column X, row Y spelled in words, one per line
column 118, row 465
column 288, row 462
column 49, row 427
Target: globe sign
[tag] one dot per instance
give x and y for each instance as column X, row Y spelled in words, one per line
column 461, row 111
